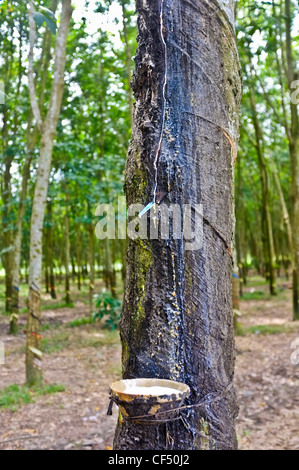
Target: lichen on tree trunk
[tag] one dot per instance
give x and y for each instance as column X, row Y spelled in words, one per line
column 177, row 320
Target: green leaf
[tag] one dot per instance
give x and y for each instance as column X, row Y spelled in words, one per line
column 48, row 13
column 51, row 24
column 48, row 17
column 38, row 18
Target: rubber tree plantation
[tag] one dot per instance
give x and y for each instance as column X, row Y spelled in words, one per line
column 149, row 225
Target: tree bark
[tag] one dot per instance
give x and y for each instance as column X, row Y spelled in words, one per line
column 78, row 256
column 128, row 56
column 177, row 320
column 294, row 155
column 17, row 248
column 8, row 157
column 285, row 214
column 266, row 214
column 240, row 229
column 90, row 229
column 67, row 247
column 110, row 277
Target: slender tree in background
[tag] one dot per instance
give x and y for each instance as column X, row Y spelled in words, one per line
column 265, row 207
column 177, row 320
column 128, row 53
column 285, row 212
column 47, row 129
column 67, row 246
column 292, row 81
column 12, row 75
column 31, row 138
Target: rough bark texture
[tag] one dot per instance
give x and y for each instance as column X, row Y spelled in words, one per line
column 177, row 320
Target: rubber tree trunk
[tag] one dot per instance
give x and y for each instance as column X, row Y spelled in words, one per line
column 49, row 249
column 128, row 51
column 10, row 122
column 285, row 213
column 267, row 229
column 7, row 237
column 47, row 128
column 7, row 252
column 31, row 137
column 177, row 320
column 78, row 256
column 295, row 223
column 240, row 228
column 67, row 246
column 292, row 75
column 91, row 265
column 110, row 276
column 17, row 249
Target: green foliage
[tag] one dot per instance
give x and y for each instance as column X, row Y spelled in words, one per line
column 15, row 395
column 49, row 389
column 45, row 16
column 263, row 330
column 52, row 326
column 255, row 295
column 55, row 343
column 109, row 308
column 80, row 322
column 58, row 305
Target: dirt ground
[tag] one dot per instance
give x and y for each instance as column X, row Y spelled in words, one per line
column 86, row 360
column 266, row 380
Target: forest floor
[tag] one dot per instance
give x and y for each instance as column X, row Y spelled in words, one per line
column 83, row 359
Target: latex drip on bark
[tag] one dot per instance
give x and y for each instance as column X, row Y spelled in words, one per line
column 158, row 196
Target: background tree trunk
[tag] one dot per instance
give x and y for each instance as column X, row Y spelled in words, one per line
column 31, row 142
column 48, row 131
column 7, row 158
column 292, row 74
column 67, row 247
column 177, row 320
column 128, row 56
column 265, row 207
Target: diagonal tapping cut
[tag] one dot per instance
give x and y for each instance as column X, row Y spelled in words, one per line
column 164, row 87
